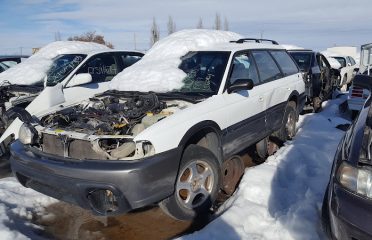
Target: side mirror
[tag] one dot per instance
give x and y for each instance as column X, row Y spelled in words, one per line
column 240, row 84
column 79, row 79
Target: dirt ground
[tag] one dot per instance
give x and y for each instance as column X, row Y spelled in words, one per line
column 65, row 221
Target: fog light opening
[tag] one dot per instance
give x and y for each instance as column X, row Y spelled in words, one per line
column 103, row 201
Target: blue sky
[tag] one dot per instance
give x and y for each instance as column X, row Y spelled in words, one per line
column 315, row 24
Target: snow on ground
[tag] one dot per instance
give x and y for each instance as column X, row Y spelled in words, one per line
column 158, row 70
column 18, row 206
column 282, row 198
column 34, row 69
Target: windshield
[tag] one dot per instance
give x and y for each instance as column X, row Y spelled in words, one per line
column 62, row 66
column 341, row 60
column 204, row 72
column 303, row 60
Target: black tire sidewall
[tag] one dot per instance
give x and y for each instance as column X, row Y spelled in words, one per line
column 172, row 206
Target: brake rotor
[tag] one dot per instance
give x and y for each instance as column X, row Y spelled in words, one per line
column 232, row 171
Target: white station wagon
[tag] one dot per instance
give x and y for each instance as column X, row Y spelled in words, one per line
column 123, row 150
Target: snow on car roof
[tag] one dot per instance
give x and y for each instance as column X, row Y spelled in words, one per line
column 34, row 69
column 158, row 70
column 292, row 47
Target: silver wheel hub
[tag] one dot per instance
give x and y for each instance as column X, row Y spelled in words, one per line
column 194, row 184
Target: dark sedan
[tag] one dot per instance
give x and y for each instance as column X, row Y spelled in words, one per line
column 320, row 78
column 9, row 61
column 347, row 205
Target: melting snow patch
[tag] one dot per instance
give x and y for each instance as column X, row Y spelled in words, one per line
column 18, row 205
column 34, row 69
column 158, row 70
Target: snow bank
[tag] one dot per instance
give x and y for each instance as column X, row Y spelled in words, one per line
column 18, row 206
column 158, row 70
column 282, row 198
column 34, row 69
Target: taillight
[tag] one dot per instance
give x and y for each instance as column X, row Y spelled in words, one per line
column 357, row 92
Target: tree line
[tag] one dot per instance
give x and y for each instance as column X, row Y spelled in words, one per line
column 92, row 36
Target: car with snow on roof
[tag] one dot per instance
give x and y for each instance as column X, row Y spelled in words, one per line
column 171, row 139
column 71, row 77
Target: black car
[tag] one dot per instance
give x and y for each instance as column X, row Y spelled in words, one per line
column 9, row 61
column 320, row 78
column 347, row 205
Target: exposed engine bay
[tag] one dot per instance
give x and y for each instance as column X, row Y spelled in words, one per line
column 104, row 126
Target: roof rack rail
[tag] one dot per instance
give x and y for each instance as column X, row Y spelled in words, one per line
column 257, row 40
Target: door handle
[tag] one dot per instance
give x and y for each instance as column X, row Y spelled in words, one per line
column 260, row 99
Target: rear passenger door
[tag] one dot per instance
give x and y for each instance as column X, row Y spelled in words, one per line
column 279, row 75
column 246, row 111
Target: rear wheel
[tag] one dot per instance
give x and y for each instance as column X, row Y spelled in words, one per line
column 288, row 129
column 197, row 185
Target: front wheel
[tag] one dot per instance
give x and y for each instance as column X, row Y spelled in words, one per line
column 197, row 185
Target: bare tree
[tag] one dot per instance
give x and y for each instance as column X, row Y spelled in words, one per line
column 226, row 24
column 200, row 23
column 57, row 36
column 217, row 22
column 91, row 37
column 155, row 35
column 171, row 25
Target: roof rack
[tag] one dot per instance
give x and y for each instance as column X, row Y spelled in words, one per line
column 257, row 40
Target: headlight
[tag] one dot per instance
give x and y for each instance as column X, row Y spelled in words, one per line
column 144, row 148
column 356, row 179
column 27, row 134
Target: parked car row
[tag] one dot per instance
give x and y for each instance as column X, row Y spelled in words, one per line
column 80, row 75
column 112, row 151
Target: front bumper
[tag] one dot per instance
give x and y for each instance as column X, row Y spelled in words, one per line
column 135, row 184
column 350, row 214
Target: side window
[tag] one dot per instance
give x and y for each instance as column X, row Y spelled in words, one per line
column 243, row 68
column 102, row 67
column 285, row 62
column 266, row 65
column 352, row 61
column 348, row 61
column 129, row 60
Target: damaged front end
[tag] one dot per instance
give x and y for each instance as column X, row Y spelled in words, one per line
column 104, row 127
column 12, row 95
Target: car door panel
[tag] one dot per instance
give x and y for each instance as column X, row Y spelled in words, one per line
column 246, row 108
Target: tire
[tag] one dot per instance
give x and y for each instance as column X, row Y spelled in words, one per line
column 204, row 186
column 288, row 128
column 317, row 104
column 326, row 224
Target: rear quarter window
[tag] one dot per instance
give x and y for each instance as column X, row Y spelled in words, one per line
column 285, row 62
